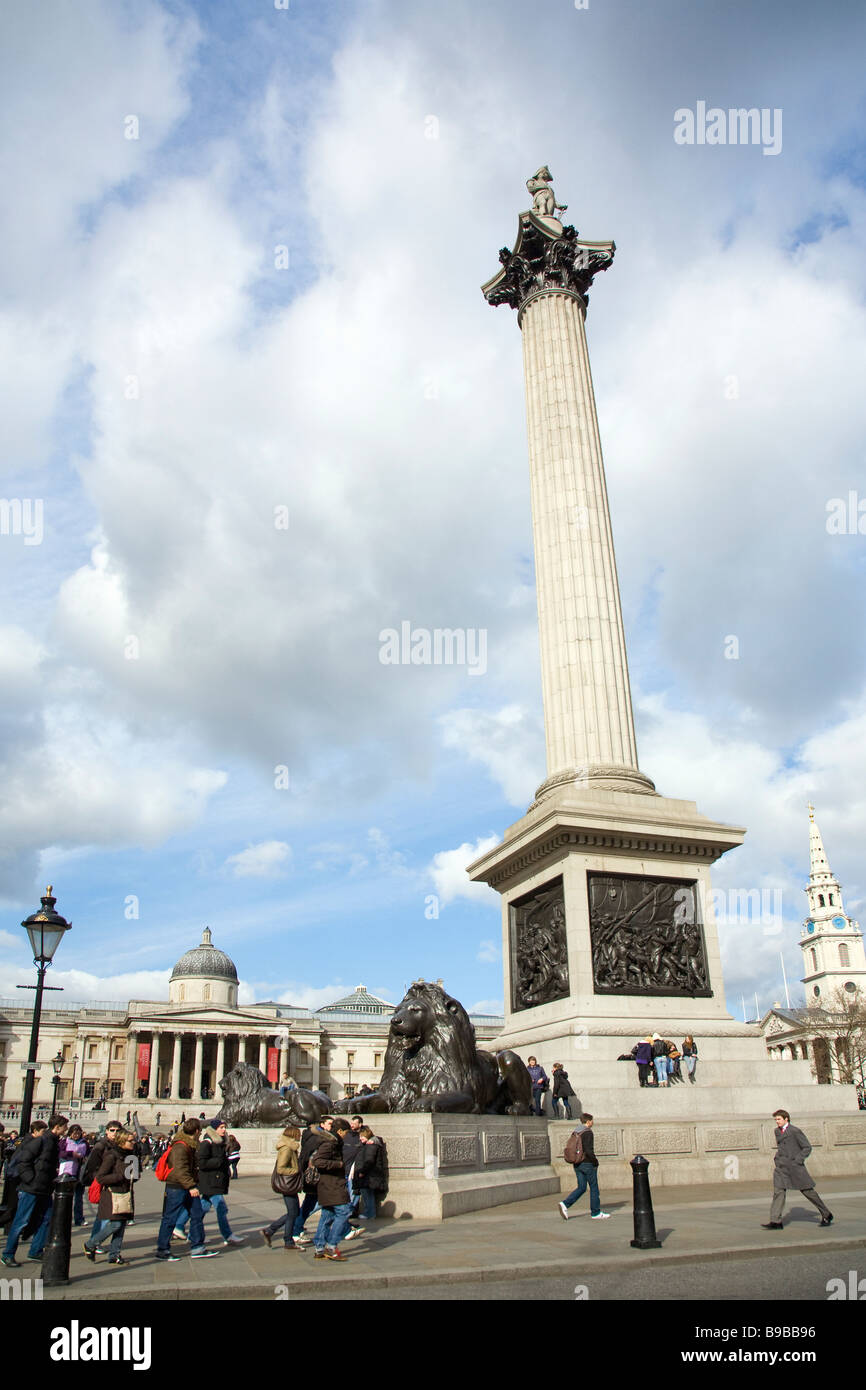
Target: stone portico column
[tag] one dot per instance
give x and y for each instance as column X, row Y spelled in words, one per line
column 316, row 1051
column 220, row 1063
column 284, row 1057
column 131, row 1058
column 197, row 1066
column 175, row 1067
column 263, row 1055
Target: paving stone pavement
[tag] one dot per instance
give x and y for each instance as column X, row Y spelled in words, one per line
column 524, row 1240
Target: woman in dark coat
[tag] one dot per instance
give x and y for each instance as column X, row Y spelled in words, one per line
column 332, row 1189
column 562, row 1091
column 116, row 1206
column 369, row 1175
column 643, row 1055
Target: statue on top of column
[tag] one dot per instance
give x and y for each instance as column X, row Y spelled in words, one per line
column 544, row 202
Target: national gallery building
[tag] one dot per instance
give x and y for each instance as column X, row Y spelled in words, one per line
column 152, row 1056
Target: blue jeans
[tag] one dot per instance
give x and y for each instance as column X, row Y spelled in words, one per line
column 661, row 1066
column 538, row 1100
column 78, row 1204
column 286, row 1223
column 565, row 1102
column 333, row 1225
column 366, row 1203
column 587, row 1177
column 308, row 1206
column 30, row 1206
column 217, row 1200
column 104, row 1228
column 176, row 1203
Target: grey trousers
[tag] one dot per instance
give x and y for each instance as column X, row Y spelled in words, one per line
column 809, row 1193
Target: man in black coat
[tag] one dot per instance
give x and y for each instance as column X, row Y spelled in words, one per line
column 37, row 1169
column 792, row 1150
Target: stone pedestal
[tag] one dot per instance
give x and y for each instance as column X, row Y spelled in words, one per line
column 444, row 1165
column 570, row 834
column 725, row 1146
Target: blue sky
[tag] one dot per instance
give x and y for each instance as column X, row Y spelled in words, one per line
column 169, row 384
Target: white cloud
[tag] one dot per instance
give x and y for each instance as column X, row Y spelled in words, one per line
column 270, row 859
column 508, row 742
column 488, row 952
column 82, row 986
column 448, row 871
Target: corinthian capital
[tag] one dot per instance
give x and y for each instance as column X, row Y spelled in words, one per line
column 545, row 260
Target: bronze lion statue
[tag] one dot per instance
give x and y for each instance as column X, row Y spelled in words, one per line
column 432, row 1063
column 248, row 1102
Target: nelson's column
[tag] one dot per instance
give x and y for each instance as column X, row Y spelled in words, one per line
column 608, row 932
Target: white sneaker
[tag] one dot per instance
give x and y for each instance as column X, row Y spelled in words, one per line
column 233, row 1240
column 203, row 1255
column 178, row 1235
column 351, row 1235
column 563, row 1211
column 601, row 1216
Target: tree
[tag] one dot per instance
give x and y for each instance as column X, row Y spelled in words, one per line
column 841, row 1022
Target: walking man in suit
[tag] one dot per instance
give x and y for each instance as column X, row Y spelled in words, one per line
column 792, row 1150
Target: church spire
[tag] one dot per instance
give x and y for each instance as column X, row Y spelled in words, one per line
column 823, row 890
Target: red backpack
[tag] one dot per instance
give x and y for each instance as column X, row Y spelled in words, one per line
column 164, row 1165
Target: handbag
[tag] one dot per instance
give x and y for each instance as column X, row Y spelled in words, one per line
column 286, row 1184
column 121, row 1203
column 93, row 1192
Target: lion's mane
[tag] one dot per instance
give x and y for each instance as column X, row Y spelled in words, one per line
column 444, row 1059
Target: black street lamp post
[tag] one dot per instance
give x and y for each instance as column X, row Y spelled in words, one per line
column 57, row 1064
column 45, row 929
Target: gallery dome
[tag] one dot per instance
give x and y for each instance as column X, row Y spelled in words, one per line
column 205, row 962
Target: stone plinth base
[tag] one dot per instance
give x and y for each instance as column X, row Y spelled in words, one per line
column 710, row 1150
column 444, row 1165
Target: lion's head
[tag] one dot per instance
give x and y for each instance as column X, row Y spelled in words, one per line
column 431, row 1034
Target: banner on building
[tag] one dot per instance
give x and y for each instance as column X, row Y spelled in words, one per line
column 273, row 1065
column 144, row 1061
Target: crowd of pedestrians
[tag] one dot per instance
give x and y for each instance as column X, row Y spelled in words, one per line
column 337, row 1168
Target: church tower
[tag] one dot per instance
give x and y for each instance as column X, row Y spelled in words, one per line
column 832, row 943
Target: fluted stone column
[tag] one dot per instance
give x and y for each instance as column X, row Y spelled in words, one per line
column 129, row 1077
column 175, row 1067
column 220, row 1063
column 263, row 1055
column 588, row 719
column 197, row 1066
column 284, row 1058
column 316, row 1052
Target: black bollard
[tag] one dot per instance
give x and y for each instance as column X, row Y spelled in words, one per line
column 644, row 1220
column 55, row 1260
